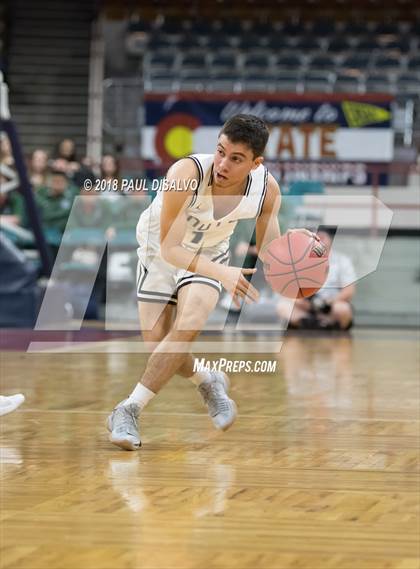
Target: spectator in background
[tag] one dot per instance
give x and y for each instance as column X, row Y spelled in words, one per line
column 38, row 168
column 66, row 149
column 79, row 176
column 65, row 157
column 6, row 154
column 110, row 168
column 88, row 164
column 110, row 172
column 12, row 208
column 92, row 211
column 330, row 308
column 54, row 202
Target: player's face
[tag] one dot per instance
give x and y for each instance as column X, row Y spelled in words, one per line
column 233, row 162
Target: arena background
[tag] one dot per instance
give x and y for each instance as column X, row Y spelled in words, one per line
column 146, row 86
column 136, row 86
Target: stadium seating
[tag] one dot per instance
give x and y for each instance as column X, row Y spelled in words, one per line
column 378, row 83
column 322, row 63
column 347, row 82
column 414, row 64
column 339, row 44
column 326, row 54
column 318, row 81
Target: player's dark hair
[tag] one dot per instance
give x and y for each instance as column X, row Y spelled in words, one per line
column 249, row 130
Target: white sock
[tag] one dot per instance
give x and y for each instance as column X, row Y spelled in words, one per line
column 198, row 378
column 140, row 395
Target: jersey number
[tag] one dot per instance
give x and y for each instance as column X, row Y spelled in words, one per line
column 198, row 236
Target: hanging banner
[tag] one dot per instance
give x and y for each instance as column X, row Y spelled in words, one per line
column 332, row 138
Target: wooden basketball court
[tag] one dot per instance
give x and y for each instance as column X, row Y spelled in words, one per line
column 319, row 471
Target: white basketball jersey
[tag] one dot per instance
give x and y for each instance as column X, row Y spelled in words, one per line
column 203, row 230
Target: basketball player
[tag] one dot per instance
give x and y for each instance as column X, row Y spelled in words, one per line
column 9, row 403
column 183, row 264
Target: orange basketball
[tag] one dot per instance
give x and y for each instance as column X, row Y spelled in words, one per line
column 291, row 266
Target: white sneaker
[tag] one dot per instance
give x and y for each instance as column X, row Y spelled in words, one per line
column 222, row 409
column 123, row 426
column 10, row 403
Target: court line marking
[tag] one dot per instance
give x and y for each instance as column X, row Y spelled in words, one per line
column 241, row 415
column 239, row 346
column 237, row 343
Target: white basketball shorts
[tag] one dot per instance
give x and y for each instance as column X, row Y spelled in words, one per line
column 159, row 281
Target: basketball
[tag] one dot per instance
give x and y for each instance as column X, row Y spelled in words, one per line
column 292, row 268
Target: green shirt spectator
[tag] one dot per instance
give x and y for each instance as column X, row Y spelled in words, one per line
column 12, row 208
column 91, row 211
column 54, row 202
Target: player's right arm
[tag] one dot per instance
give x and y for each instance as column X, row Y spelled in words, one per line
column 173, row 225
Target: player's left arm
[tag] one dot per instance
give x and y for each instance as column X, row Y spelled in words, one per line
column 267, row 227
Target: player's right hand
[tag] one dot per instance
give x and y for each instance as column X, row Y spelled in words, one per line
column 237, row 286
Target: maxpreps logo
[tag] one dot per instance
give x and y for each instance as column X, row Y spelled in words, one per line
column 174, row 136
column 361, row 114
